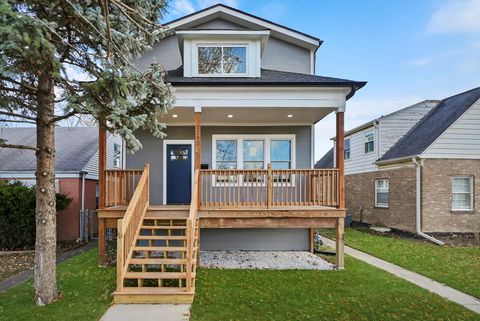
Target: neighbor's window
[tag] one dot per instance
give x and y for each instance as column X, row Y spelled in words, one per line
column 381, row 192
column 369, row 139
column 347, row 149
column 222, row 60
column 116, row 155
column 462, row 193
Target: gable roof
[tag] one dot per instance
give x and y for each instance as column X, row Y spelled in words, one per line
column 431, row 126
column 268, row 78
column 245, row 19
column 326, row 161
column 74, row 147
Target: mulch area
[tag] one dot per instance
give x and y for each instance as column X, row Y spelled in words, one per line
column 14, row 262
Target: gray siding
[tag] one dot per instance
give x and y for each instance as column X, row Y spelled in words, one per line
column 283, row 56
column 152, row 151
column 461, row 140
column 219, row 24
column 255, row 239
column 166, row 52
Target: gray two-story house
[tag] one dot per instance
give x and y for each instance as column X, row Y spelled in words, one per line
column 235, row 171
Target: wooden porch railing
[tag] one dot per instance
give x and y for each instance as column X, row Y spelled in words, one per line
column 120, row 184
column 266, row 188
column 192, row 234
column 129, row 226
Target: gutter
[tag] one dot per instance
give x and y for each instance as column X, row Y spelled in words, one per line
column 418, row 214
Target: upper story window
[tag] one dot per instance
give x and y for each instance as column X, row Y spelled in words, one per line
column 369, row 140
column 346, row 154
column 222, row 59
column 462, row 196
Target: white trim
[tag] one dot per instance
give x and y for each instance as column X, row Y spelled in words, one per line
column 312, row 61
column 296, row 37
column 470, row 179
column 312, row 146
column 164, row 165
column 266, row 153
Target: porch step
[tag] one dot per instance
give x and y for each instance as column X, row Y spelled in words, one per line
column 160, row 249
column 149, row 295
column 155, row 261
column 161, row 214
column 163, row 227
column 157, row 275
column 161, row 237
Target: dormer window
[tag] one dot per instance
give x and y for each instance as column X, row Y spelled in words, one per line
column 221, row 59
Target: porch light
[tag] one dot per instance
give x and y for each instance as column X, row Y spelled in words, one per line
column 289, row 115
column 230, row 116
column 174, row 115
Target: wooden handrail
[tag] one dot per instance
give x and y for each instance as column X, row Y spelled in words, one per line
column 191, row 235
column 265, row 188
column 129, row 226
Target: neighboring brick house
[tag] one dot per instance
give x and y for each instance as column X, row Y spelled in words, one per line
column 417, row 163
column 76, row 168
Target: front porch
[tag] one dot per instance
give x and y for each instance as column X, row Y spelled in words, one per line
column 264, row 181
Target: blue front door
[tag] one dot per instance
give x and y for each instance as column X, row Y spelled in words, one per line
column 179, row 174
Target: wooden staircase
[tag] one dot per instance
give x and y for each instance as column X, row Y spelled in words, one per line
column 157, row 262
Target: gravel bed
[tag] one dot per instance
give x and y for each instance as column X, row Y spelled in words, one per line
column 274, row 260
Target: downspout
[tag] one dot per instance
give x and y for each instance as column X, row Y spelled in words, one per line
column 83, row 174
column 82, row 217
column 418, row 214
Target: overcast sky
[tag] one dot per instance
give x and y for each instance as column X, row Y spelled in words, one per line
column 407, row 50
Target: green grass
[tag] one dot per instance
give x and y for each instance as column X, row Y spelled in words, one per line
column 458, row 267
column 86, row 288
column 360, row 292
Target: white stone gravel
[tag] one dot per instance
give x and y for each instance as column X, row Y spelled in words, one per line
column 274, row 260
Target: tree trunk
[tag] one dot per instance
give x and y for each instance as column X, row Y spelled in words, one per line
column 46, row 234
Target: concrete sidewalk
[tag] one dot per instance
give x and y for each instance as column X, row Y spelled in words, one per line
column 444, row 291
column 147, row 312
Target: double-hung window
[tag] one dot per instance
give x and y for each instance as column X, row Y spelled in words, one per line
column 369, row 140
column 116, row 155
column 347, row 149
column 382, row 191
column 222, row 59
column 462, row 193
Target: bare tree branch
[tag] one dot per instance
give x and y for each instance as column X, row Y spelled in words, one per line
column 7, row 113
column 3, row 145
column 17, row 121
column 67, row 115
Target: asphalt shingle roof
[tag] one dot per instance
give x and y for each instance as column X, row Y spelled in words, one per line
column 267, row 77
column 74, row 148
column 326, row 161
column 432, row 125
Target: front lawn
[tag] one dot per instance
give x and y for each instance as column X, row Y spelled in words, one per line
column 458, row 267
column 360, row 292
column 87, row 293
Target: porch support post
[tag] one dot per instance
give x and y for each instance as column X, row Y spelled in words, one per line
column 102, row 162
column 198, row 136
column 340, row 164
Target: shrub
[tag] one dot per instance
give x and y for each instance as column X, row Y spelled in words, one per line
column 17, row 214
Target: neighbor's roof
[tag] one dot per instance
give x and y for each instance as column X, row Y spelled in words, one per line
column 326, row 161
column 432, row 125
column 267, row 78
column 73, row 148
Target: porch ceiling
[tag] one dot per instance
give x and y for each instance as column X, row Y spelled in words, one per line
column 216, row 116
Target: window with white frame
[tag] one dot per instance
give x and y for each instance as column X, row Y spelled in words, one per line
column 346, row 149
column 253, row 151
column 382, row 192
column 116, row 155
column 462, row 193
column 369, row 140
column 222, row 59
